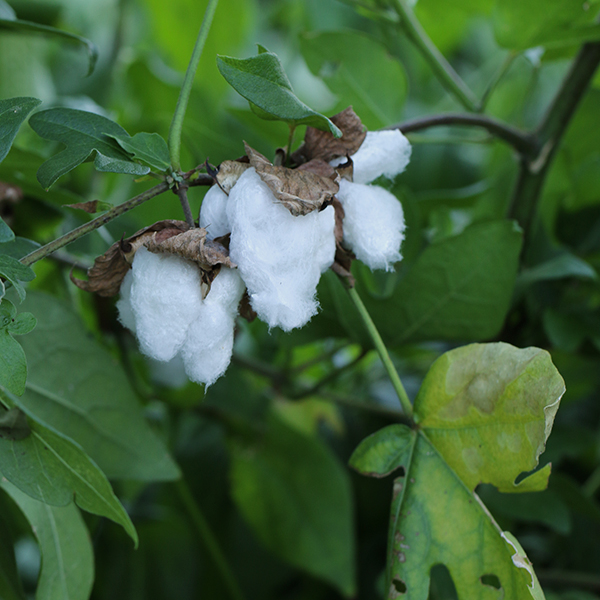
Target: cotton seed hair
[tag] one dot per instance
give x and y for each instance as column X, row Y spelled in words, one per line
column 280, row 259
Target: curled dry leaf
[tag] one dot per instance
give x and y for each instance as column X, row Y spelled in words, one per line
column 300, row 191
column 322, row 145
column 194, row 246
column 228, row 174
column 319, row 167
column 109, row 270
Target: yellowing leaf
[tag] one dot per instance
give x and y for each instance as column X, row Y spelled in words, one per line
column 489, row 409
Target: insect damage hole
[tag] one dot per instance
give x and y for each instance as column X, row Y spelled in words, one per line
column 491, row 580
column 398, row 588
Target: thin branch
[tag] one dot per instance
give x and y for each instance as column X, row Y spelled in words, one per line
column 180, row 191
column 522, row 142
column 90, row 226
column 443, row 70
column 534, row 169
column 504, row 67
column 209, row 540
column 186, row 88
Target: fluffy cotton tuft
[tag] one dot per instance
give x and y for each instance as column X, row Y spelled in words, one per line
column 126, row 315
column 382, row 153
column 165, row 297
column 213, row 213
column 373, row 224
column 280, row 257
column 208, row 346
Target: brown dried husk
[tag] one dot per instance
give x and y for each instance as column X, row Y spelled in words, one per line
column 300, row 191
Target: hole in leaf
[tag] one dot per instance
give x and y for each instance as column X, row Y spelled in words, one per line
column 491, row 580
column 441, row 586
column 399, row 585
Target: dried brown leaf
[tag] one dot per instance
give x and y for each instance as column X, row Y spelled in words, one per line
column 90, row 207
column 109, row 270
column 193, row 245
column 319, row 167
column 228, row 174
column 322, row 144
column 300, row 191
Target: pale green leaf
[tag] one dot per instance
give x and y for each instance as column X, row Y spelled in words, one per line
column 489, row 409
column 296, row 497
column 263, row 82
column 85, row 135
column 76, row 387
column 53, row 469
column 13, row 112
column 67, row 556
column 559, row 267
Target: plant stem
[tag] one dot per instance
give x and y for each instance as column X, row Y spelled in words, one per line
column 186, row 88
column 449, row 78
column 534, row 169
column 181, row 192
column 208, row 538
column 289, row 144
column 90, row 226
column 382, row 351
column 508, row 61
column 522, row 142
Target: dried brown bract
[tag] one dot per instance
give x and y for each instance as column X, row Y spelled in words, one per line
column 323, row 145
column 300, row 191
column 228, row 174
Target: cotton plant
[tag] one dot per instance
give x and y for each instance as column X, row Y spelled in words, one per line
column 265, row 230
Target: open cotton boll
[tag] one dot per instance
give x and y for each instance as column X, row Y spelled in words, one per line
column 373, row 224
column 382, row 153
column 165, row 298
column 280, row 257
column 213, row 213
column 208, row 346
column 126, row 315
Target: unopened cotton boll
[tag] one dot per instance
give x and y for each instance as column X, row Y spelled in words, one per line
column 280, row 257
column 208, row 346
column 373, row 224
column 381, row 153
column 213, row 213
column 165, row 298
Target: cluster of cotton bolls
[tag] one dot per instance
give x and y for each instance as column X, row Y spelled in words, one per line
column 279, row 259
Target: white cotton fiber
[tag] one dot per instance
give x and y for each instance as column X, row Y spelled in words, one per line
column 373, row 224
column 126, row 316
column 280, row 257
column 382, row 153
column 213, row 213
column 165, row 298
column 208, row 346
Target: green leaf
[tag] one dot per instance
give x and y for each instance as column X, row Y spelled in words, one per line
column 13, row 424
column 359, row 70
column 436, row 519
column 296, row 497
column 51, row 468
column 10, row 584
column 148, row 147
column 65, row 546
column 6, row 233
column 14, row 271
column 263, row 82
column 488, row 409
column 13, row 364
column 76, row 387
column 559, row 267
column 8, row 22
column 13, row 112
column 6, row 11
column 84, row 134
column 562, row 22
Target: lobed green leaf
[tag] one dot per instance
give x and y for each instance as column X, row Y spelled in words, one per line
column 263, row 82
column 13, row 112
column 15, row 272
column 65, row 547
column 148, row 147
column 85, row 135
